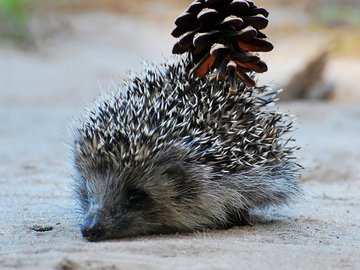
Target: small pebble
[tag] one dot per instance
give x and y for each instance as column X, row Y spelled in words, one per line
column 39, row 228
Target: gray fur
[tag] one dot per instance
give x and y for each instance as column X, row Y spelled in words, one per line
column 193, row 156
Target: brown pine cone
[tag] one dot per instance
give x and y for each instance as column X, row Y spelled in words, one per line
column 223, row 37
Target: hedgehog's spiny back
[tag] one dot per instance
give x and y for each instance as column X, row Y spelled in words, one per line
column 164, row 107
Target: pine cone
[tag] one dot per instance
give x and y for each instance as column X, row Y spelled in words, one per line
column 223, row 36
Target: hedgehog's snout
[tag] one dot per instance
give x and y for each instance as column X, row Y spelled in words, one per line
column 91, row 229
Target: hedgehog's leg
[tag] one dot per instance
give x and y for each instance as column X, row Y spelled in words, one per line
column 240, row 217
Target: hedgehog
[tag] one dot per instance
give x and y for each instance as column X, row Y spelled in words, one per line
column 171, row 152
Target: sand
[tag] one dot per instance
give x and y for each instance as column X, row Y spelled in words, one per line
column 39, row 226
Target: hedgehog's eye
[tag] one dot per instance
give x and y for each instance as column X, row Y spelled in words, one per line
column 136, row 196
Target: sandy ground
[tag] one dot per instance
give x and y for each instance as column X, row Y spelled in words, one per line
column 40, row 91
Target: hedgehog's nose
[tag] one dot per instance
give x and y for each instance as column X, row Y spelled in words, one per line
column 91, row 228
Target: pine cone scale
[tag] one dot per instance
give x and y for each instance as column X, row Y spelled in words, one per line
column 245, row 34
column 184, row 44
column 209, row 16
column 218, row 49
column 261, row 35
column 245, row 78
column 255, row 45
column 217, row 3
column 233, row 23
column 245, row 57
column 195, row 7
column 239, row 5
column 204, row 39
column 259, row 67
column 178, row 32
column 257, row 21
column 202, row 68
column 185, row 19
column 261, row 11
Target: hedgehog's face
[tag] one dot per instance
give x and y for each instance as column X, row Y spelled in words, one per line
column 163, row 195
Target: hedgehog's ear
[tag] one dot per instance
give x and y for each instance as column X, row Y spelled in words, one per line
column 175, row 171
